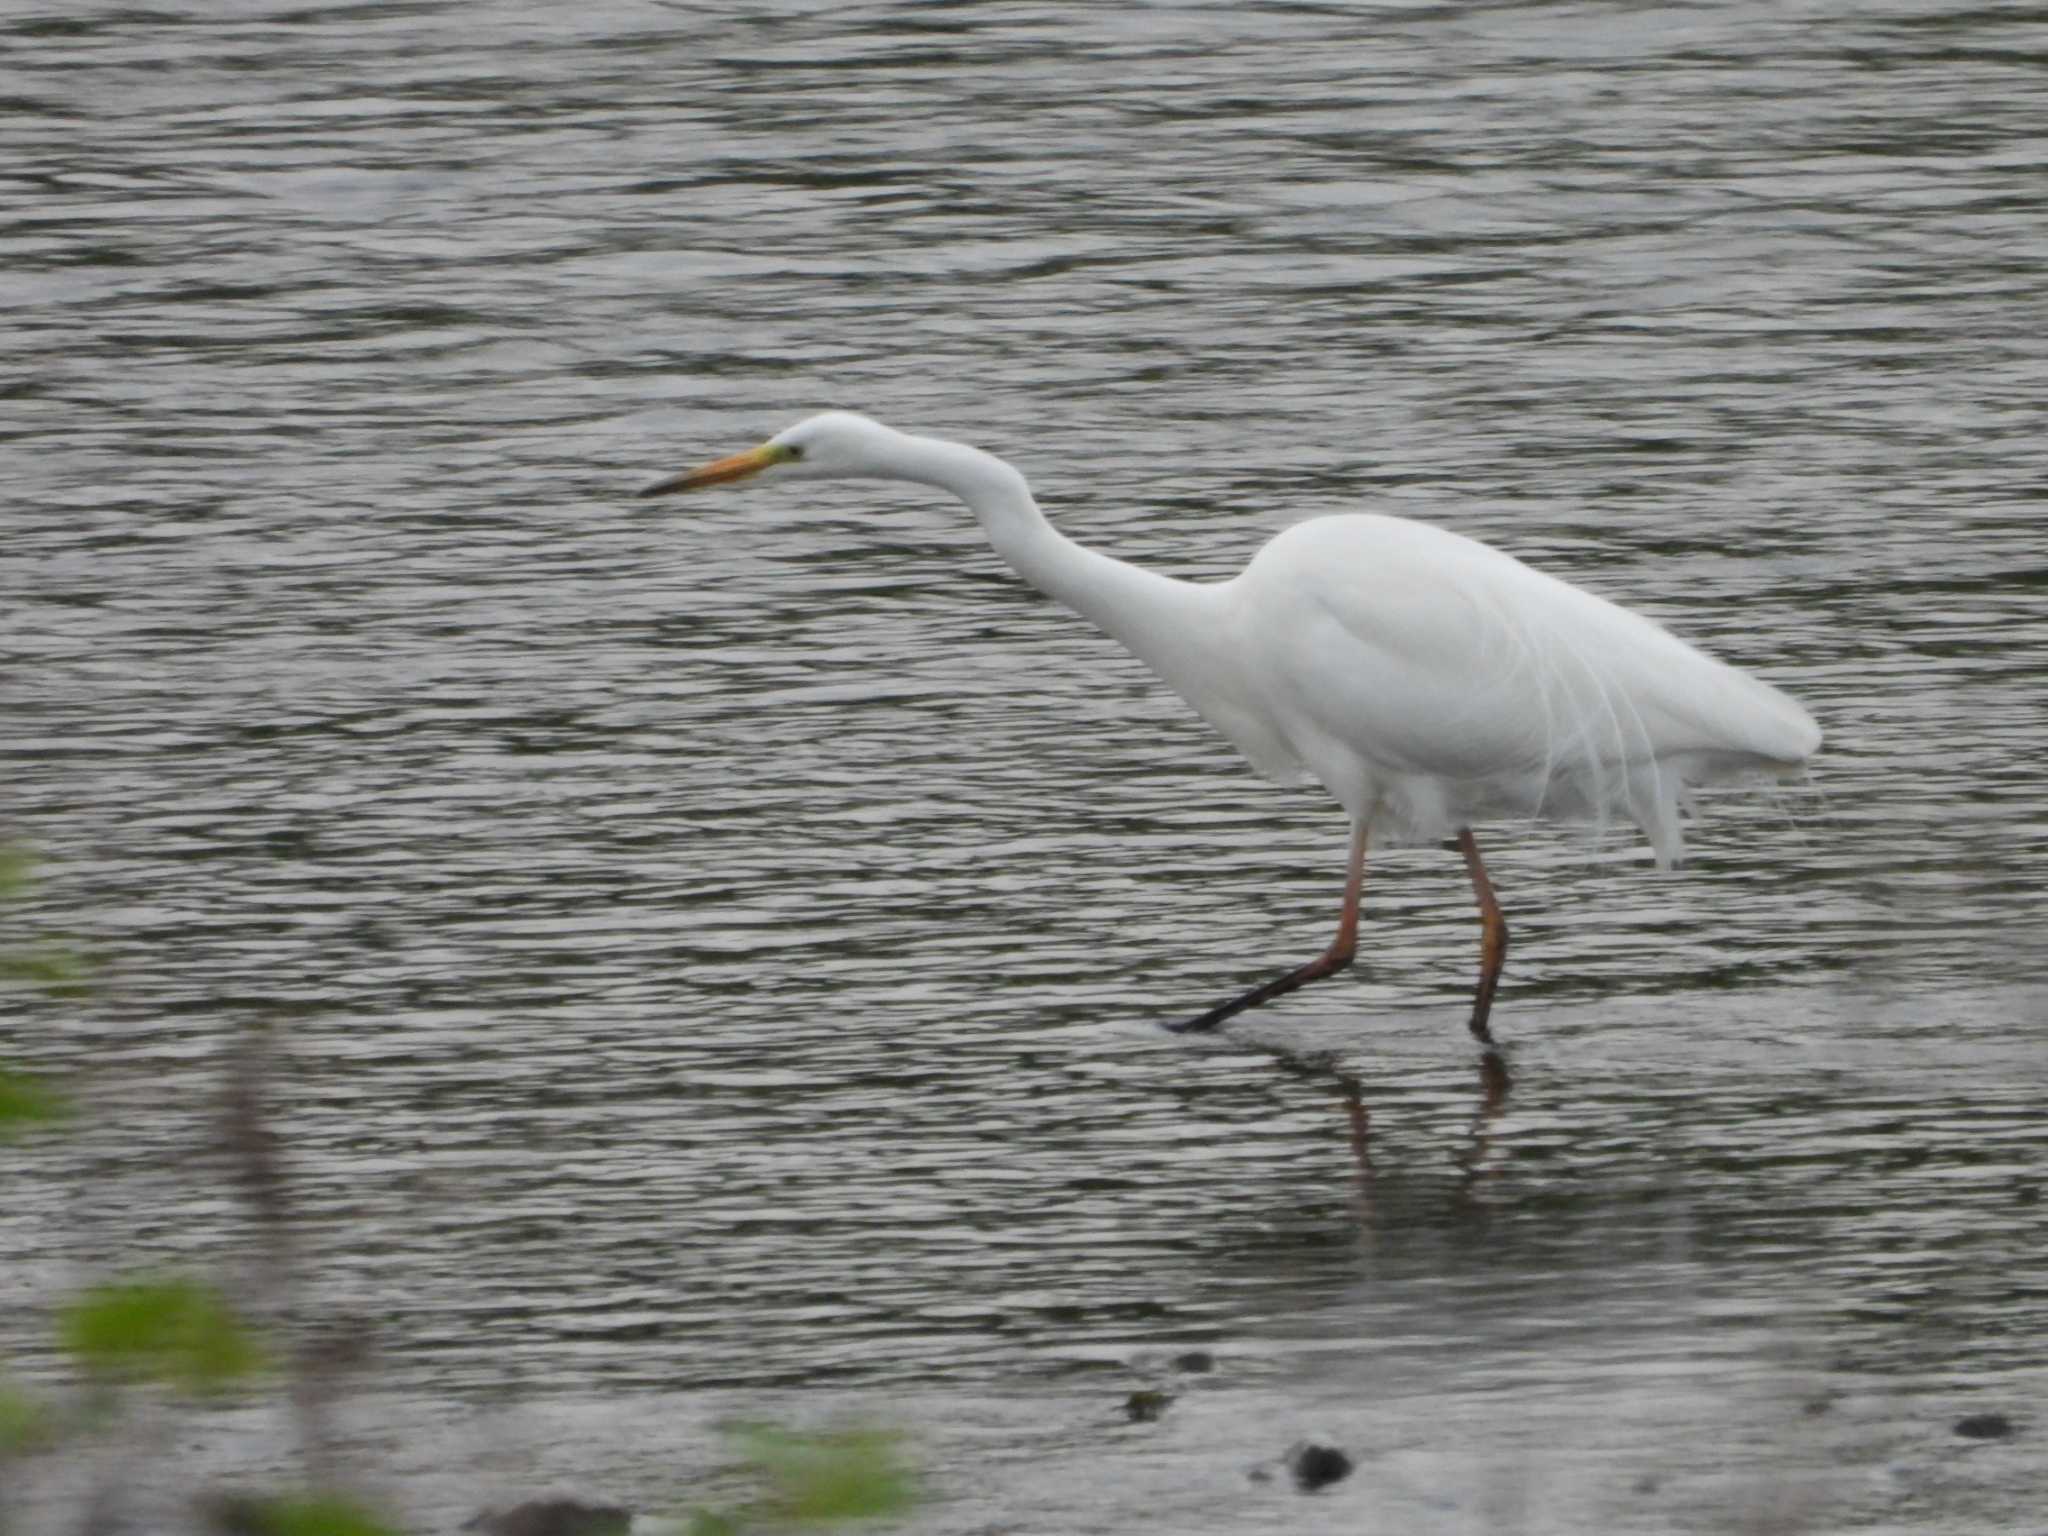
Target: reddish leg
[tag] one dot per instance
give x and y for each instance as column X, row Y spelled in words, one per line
column 1329, row 963
column 1493, row 936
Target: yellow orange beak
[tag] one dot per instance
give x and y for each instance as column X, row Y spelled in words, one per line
column 735, row 467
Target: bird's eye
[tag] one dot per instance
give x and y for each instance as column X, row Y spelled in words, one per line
column 793, row 451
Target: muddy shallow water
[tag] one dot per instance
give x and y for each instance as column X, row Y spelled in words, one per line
column 716, row 948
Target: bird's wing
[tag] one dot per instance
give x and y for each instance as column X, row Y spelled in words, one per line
column 1430, row 653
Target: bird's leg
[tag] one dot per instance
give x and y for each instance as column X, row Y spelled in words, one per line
column 1493, row 936
column 1331, row 961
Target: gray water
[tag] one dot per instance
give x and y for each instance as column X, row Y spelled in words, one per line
column 716, row 947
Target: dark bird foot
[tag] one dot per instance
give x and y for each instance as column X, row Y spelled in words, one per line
column 1202, row 1025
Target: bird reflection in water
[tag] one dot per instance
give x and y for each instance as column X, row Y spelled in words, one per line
column 1476, row 1157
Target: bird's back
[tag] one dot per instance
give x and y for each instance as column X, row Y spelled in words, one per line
column 1437, row 681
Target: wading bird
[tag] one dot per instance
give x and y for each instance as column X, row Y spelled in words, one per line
column 1426, row 680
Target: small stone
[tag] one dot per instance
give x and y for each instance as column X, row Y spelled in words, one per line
column 1317, row 1466
column 235, row 1514
column 1145, row 1407
column 1984, row 1426
column 1195, row 1362
column 553, row 1517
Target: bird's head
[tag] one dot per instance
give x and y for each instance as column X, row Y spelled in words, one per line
column 837, row 445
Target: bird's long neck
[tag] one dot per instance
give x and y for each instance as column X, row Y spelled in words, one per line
column 1163, row 620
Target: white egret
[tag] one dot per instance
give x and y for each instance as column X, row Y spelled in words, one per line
column 1426, row 680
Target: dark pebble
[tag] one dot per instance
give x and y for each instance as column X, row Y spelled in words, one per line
column 1317, row 1466
column 553, row 1517
column 1984, row 1426
column 1145, row 1407
column 237, row 1514
column 1194, row 1362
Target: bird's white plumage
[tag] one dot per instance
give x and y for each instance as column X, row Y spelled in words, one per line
column 1427, row 680
column 1432, row 681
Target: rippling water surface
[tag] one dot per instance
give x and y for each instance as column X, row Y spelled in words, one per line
column 716, row 946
